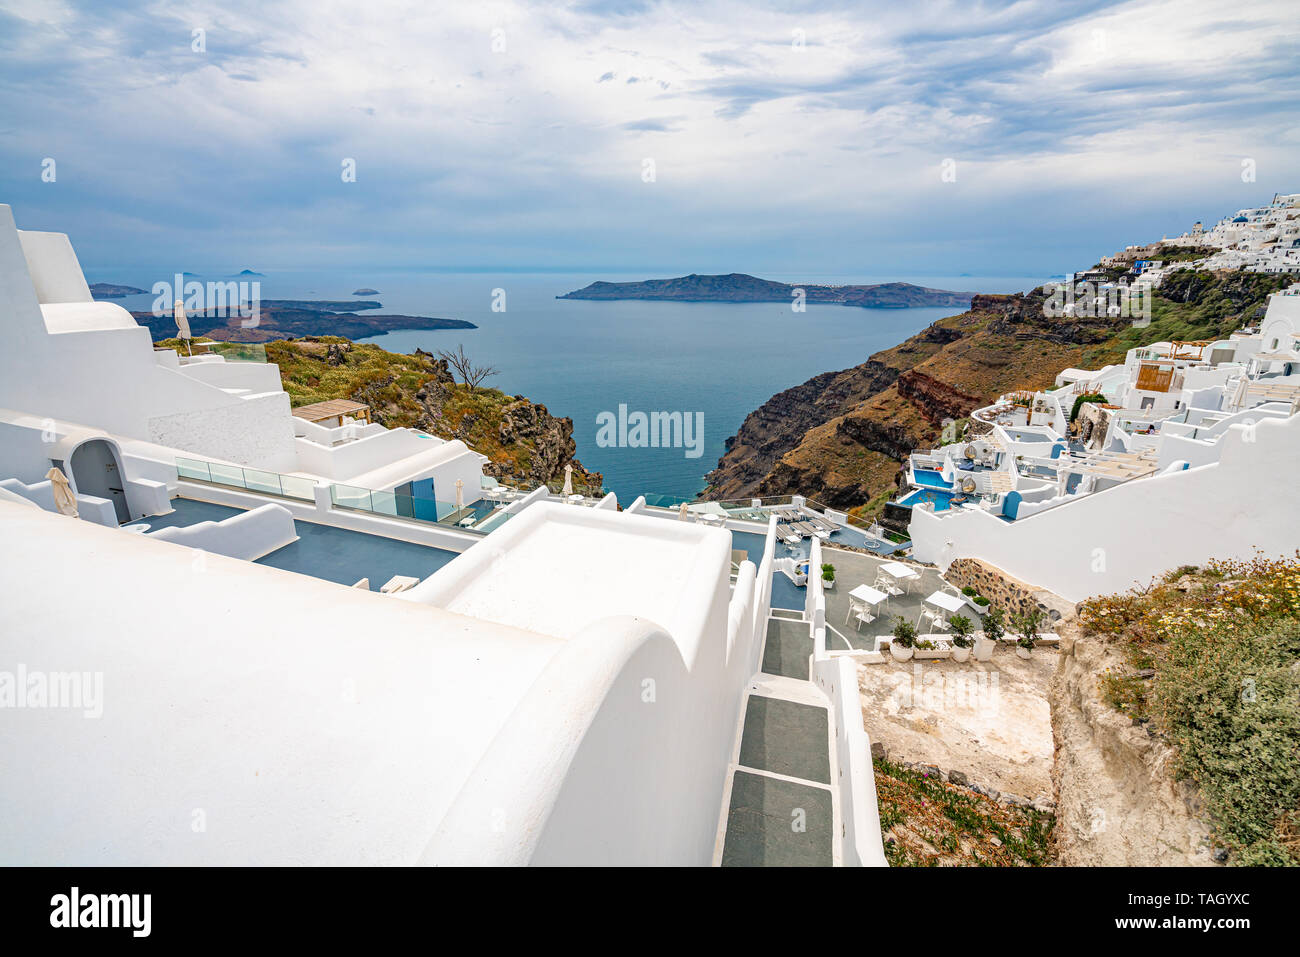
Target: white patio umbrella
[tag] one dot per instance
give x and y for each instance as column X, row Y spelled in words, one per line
column 65, row 500
column 681, row 513
column 460, row 494
column 568, row 481
column 182, row 323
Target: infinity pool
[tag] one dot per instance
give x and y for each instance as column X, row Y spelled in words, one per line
column 931, row 478
column 941, row 500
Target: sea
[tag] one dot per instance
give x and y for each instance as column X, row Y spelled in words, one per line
column 600, row 363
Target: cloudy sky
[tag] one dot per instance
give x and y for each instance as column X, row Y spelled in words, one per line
column 804, row 138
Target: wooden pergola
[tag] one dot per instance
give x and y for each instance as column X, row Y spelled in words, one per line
column 333, row 409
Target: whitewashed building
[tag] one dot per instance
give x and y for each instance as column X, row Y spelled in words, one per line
column 247, row 646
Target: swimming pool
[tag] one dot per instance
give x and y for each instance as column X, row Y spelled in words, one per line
column 931, row 478
column 940, row 499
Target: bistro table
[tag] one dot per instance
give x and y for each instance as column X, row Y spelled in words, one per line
column 941, row 599
column 864, row 595
column 900, row 573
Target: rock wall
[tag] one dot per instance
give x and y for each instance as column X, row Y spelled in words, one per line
column 1010, row 594
column 1117, row 801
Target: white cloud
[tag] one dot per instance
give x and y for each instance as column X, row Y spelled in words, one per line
column 766, row 127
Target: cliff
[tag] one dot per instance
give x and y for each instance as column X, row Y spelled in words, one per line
column 739, row 287
column 841, row 437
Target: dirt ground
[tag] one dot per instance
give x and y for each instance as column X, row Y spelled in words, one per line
column 991, row 721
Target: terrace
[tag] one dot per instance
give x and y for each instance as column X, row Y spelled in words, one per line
column 322, row 551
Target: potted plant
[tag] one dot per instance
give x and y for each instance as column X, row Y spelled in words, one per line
column 828, row 576
column 1027, row 629
column 961, row 639
column 904, row 638
column 988, row 637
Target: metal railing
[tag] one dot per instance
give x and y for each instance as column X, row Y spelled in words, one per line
column 251, row 480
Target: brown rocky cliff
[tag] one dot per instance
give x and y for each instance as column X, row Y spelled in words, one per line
column 840, row 437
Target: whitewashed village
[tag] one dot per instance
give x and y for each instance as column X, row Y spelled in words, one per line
column 346, row 644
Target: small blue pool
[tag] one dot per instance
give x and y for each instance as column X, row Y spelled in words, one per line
column 940, row 499
column 931, row 478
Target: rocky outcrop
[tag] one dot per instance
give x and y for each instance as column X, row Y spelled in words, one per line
column 778, row 425
column 549, row 439
column 1118, row 803
column 525, row 444
column 937, row 400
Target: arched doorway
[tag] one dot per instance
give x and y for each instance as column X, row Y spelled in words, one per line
column 96, row 471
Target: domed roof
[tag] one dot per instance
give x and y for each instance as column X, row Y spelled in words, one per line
column 1241, row 219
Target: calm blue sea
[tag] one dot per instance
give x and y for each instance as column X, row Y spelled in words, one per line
column 583, row 358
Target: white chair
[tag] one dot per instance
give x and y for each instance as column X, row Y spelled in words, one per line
column 888, row 586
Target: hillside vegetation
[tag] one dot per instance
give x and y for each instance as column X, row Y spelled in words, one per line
column 1213, row 664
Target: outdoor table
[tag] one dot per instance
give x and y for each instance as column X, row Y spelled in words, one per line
column 941, row 599
column 900, row 572
column 867, row 596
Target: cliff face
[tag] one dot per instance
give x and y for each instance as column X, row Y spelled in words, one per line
column 839, row 438
column 1119, row 803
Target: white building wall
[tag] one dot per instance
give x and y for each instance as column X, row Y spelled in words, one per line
column 1112, row 540
column 255, row 432
column 106, row 377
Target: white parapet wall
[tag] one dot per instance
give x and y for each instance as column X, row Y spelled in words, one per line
column 1112, row 540
column 861, row 842
column 249, row 535
column 619, row 753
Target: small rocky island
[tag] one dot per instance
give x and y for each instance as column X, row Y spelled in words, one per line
column 365, row 292
column 740, row 287
column 294, row 318
column 112, row 290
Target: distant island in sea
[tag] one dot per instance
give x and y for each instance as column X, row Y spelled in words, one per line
column 740, row 287
column 112, row 290
column 367, row 291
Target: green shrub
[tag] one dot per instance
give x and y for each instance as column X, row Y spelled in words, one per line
column 1230, row 699
column 1087, row 397
column 961, row 629
column 968, row 592
column 993, row 623
column 904, row 632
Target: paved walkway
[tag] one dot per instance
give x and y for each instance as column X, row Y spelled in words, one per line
column 780, row 807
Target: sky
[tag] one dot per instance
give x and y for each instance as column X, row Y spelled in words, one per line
column 923, row 138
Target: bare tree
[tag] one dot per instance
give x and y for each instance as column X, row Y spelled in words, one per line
column 470, row 374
